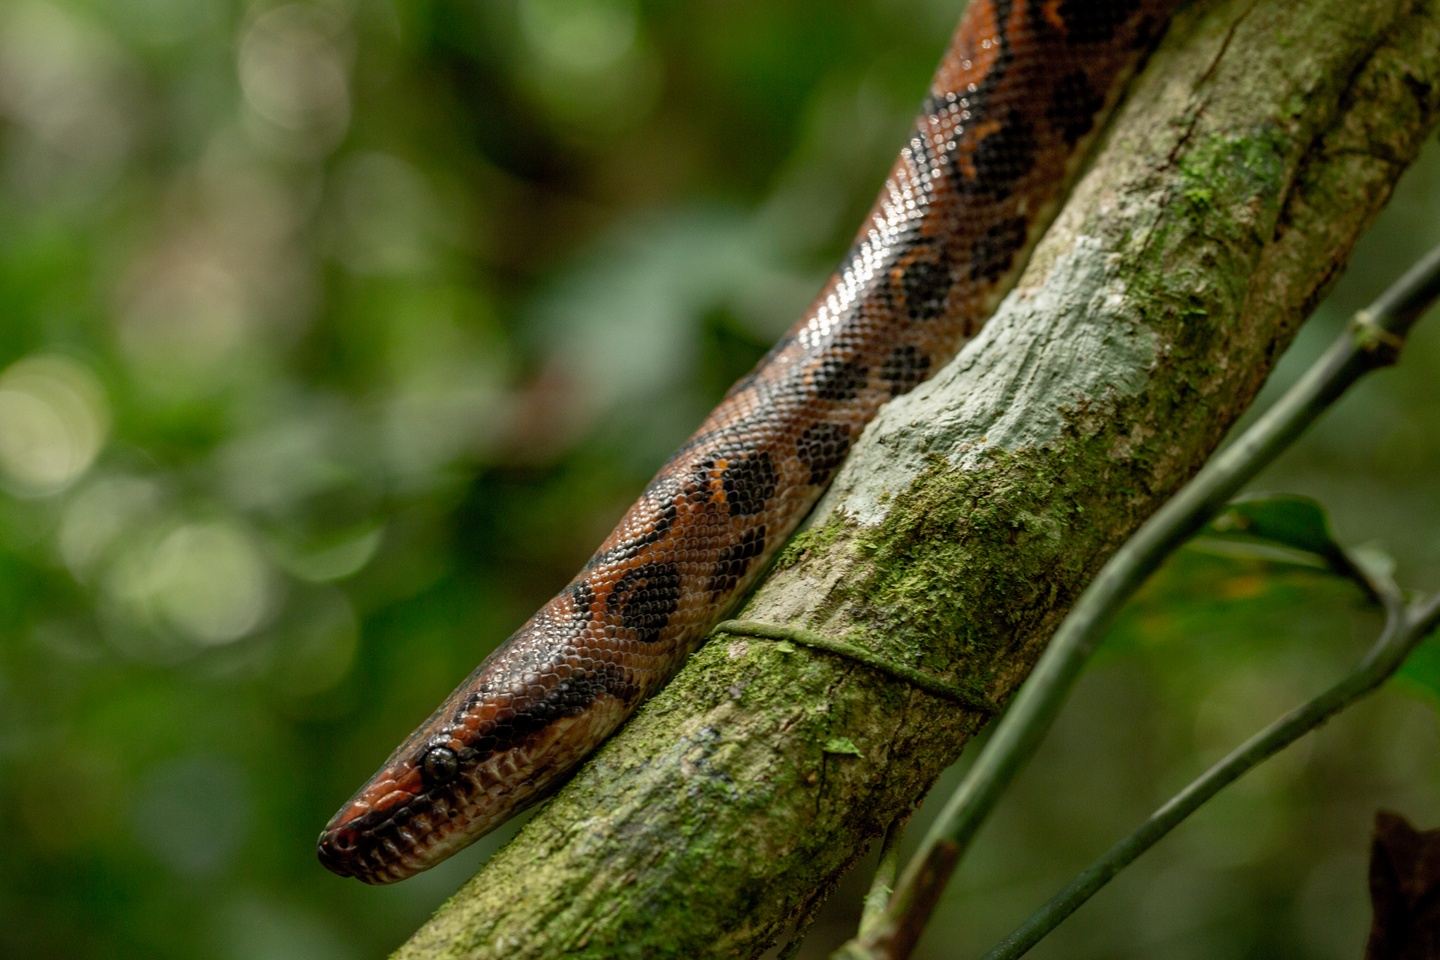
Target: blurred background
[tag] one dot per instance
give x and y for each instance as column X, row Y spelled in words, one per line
column 333, row 337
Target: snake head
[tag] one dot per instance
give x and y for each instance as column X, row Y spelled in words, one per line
column 505, row 737
column 405, row 819
column 481, row 758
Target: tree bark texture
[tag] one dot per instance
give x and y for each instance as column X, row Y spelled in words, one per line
column 1259, row 143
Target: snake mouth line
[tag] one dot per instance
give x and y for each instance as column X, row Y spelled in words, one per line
column 399, row 834
column 389, row 844
column 1018, row 96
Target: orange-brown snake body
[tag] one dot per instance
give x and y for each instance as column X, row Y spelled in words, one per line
column 1016, row 97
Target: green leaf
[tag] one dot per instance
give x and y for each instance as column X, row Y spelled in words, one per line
column 842, row 746
column 1296, row 523
column 1235, row 605
column 1288, row 529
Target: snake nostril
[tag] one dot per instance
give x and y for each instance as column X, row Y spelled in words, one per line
column 336, row 850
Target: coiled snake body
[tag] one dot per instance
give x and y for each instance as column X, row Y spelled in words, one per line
column 1020, row 88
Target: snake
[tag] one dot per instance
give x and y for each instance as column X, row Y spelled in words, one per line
column 1021, row 91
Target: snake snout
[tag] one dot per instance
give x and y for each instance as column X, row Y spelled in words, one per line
column 337, row 849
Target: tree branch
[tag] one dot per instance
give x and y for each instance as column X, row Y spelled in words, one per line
column 1255, row 149
column 1373, row 340
column 1404, row 629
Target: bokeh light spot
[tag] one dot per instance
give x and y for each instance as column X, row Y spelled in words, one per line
column 588, row 37
column 211, row 582
column 590, row 68
column 53, row 423
column 190, row 320
column 294, row 71
column 66, row 83
column 201, row 583
column 99, row 516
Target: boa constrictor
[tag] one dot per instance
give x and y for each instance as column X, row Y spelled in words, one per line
column 1017, row 96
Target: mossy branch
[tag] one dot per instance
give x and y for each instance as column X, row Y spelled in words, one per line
column 1258, row 145
column 1372, row 341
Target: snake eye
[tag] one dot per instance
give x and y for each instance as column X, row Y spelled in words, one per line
column 439, row 766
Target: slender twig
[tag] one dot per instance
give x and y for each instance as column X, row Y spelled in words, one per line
column 969, row 698
column 1371, row 341
column 883, row 883
column 1403, row 631
column 1427, row 615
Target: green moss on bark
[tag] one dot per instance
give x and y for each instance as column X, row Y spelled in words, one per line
column 1249, row 158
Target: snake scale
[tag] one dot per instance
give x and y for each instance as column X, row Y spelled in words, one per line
column 1021, row 87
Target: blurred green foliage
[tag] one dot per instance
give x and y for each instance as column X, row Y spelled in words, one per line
column 337, row 333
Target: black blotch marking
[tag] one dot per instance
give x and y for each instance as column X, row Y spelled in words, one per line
column 924, row 284
column 1002, row 159
column 1073, row 106
column 749, row 482
column 734, row 561
column 904, row 368
column 645, row 598
column 822, row 448
column 697, row 490
column 1089, row 22
column 836, row 379
column 995, row 249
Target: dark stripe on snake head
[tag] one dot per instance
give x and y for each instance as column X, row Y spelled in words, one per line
column 569, row 697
